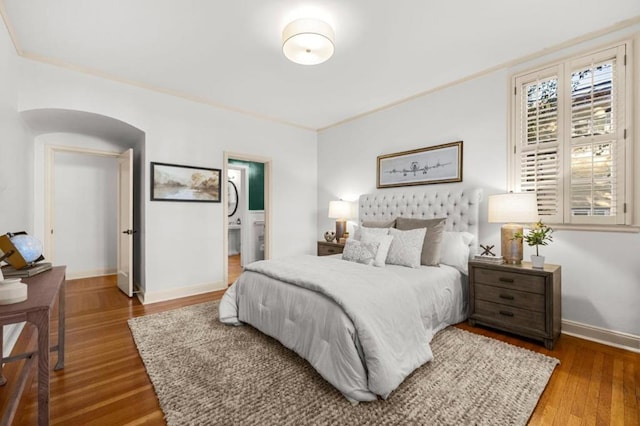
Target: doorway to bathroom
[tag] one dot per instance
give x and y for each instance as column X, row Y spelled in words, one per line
column 247, row 212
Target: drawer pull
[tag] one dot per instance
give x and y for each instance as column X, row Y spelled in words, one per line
column 331, row 250
column 506, row 313
column 506, row 296
column 505, row 280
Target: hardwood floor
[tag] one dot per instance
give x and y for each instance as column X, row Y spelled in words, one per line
column 104, row 380
column 234, row 269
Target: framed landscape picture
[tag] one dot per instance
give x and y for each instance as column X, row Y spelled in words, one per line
column 173, row 182
column 434, row 164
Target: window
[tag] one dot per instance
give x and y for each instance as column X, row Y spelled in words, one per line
column 570, row 138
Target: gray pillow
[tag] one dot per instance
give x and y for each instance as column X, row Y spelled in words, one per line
column 431, row 247
column 373, row 224
column 379, row 223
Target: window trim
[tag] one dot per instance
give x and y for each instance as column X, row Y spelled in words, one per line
column 630, row 191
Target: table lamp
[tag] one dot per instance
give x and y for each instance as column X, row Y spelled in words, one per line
column 340, row 211
column 512, row 210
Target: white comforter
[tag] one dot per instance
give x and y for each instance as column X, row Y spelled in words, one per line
column 363, row 328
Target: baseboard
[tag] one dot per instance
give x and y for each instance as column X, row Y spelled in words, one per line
column 10, row 337
column 89, row 274
column 176, row 293
column 617, row 339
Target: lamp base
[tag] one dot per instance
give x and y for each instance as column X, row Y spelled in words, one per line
column 511, row 248
column 341, row 228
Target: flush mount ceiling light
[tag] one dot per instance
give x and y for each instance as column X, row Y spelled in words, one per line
column 308, row 41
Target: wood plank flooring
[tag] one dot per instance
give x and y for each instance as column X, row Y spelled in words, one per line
column 104, row 380
column 234, row 269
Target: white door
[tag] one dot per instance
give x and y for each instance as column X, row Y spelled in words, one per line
column 125, row 222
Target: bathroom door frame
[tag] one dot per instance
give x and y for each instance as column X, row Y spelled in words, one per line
column 244, row 190
column 227, row 155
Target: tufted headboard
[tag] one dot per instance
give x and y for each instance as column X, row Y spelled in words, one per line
column 460, row 206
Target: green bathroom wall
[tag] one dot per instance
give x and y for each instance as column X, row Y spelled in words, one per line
column 256, row 183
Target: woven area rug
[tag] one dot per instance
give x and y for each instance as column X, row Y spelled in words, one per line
column 207, row 373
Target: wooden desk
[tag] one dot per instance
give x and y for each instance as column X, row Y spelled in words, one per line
column 42, row 292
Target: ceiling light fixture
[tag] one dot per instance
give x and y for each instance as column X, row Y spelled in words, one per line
column 308, row 41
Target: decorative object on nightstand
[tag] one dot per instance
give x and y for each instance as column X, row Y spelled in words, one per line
column 518, row 299
column 538, row 235
column 486, row 250
column 340, row 211
column 329, row 236
column 329, row 248
column 512, row 209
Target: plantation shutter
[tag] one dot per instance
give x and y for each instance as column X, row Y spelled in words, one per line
column 596, row 150
column 538, row 141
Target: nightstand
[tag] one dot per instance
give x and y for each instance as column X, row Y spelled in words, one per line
column 326, row 249
column 516, row 298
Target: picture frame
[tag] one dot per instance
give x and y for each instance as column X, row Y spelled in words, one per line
column 175, row 182
column 423, row 166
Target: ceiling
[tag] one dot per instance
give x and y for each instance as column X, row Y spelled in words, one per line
column 228, row 53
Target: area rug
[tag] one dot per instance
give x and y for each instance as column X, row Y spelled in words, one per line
column 205, row 372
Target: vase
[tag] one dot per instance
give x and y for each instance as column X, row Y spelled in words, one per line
column 537, row 261
column 329, row 236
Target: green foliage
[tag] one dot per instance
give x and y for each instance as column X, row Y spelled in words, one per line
column 539, row 235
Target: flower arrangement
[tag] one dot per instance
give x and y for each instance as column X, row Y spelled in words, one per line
column 539, row 235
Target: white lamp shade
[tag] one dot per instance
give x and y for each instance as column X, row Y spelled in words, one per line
column 513, row 208
column 339, row 209
column 308, row 41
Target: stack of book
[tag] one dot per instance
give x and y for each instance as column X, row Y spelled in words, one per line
column 496, row 260
column 9, row 271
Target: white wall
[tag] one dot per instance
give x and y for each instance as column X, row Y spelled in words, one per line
column 85, row 200
column 16, row 161
column 184, row 240
column 600, row 271
column 16, row 151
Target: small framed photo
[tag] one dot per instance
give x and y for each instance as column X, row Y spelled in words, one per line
column 173, row 182
column 434, row 164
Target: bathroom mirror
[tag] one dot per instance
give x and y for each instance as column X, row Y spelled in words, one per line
column 232, row 198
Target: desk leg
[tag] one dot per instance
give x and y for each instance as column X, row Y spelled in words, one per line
column 61, row 327
column 41, row 320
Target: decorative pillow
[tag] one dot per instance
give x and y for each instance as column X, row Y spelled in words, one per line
column 379, row 223
column 361, row 230
column 455, row 250
column 406, row 247
column 357, row 251
column 431, row 248
column 384, row 242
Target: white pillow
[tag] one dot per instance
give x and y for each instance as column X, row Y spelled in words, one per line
column 454, row 250
column 359, row 231
column 384, row 242
column 406, row 247
column 357, row 251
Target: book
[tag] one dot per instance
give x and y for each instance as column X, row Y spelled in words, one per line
column 9, row 271
column 497, row 260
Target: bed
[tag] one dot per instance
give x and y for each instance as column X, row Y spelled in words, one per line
column 364, row 328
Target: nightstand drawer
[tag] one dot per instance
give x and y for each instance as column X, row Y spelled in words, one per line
column 511, row 280
column 326, row 249
column 511, row 297
column 510, row 316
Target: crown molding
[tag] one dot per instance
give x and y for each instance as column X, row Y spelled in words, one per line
column 193, row 98
column 201, row 100
column 10, row 30
column 555, row 48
